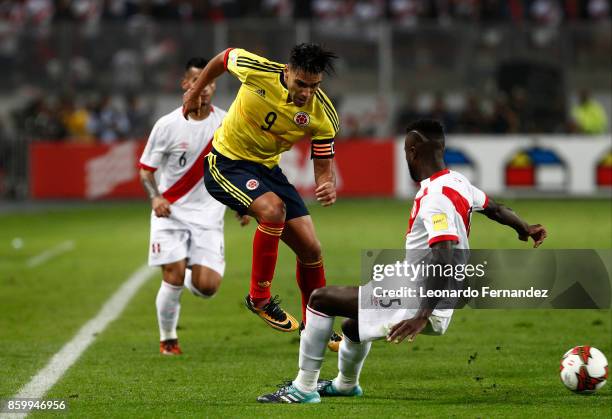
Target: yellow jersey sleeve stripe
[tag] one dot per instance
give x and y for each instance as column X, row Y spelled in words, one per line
column 327, row 102
column 329, row 111
column 261, row 60
column 225, row 184
column 263, row 63
column 256, row 67
column 335, row 125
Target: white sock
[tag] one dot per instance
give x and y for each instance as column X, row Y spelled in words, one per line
column 189, row 285
column 168, row 309
column 351, row 356
column 312, row 349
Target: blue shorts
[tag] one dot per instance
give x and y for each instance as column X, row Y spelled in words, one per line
column 237, row 183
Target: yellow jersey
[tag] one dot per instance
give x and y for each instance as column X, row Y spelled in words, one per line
column 260, row 124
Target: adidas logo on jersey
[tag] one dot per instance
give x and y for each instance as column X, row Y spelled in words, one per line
column 261, row 92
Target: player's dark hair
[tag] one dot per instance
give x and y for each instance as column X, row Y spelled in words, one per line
column 197, row 62
column 312, row 58
column 431, row 129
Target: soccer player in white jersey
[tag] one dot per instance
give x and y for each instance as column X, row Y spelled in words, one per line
column 440, row 219
column 186, row 222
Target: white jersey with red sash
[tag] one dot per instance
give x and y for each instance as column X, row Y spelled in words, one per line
column 442, row 211
column 176, row 147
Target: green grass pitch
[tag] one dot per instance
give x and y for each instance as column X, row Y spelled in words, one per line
column 490, row 363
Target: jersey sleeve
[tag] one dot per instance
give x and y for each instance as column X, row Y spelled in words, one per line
column 322, row 145
column 244, row 64
column 154, row 150
column 479, row 198
column 438, row 215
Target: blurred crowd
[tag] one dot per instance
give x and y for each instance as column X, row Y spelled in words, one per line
column 107, row 119
column 504, row 114
column 473, row 114
column 407, row 12
column 100, row 118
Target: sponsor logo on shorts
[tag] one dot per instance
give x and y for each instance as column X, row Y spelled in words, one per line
column 301, row 118
column 264, row 284
column 252, row 184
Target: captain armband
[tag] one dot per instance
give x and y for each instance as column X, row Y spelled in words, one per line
column 322, row 149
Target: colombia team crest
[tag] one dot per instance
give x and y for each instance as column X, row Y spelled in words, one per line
column 302, row 119
column 252, row 184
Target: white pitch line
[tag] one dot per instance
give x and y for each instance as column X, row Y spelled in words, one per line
column 46, row 378
column 41, row 258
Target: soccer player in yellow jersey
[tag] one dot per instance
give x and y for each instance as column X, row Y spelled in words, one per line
column 276, row 106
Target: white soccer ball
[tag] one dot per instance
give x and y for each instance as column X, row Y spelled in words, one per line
column 584, row 369
column 17, row 243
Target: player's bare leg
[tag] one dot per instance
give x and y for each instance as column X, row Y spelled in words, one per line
column 168, row 306
column 174, row 273
column 336, row 301
column 203, row 281
column 270, row 212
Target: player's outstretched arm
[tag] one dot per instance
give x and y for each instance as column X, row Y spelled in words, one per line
column 325, row 179
column 191, row 98
column 160, row 205
column 504, row 215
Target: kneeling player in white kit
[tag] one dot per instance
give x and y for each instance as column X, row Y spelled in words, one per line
column 440, row 219
column 186, row 222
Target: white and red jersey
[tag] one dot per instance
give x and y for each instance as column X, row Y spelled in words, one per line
column 442, row 210
column 177, row 147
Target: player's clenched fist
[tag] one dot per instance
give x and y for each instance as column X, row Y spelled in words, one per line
column 537, row 232
column 191, row 102
column 326, row 193
column 161, row 206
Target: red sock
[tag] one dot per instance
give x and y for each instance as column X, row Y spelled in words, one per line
column 310, row 276
column 265, row 252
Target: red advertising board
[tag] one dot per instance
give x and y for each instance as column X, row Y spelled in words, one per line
column 65, row 170
column 367, row 167
column 363, row 168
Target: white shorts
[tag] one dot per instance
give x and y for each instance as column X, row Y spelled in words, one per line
column 376, row 323
column 172, row 241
